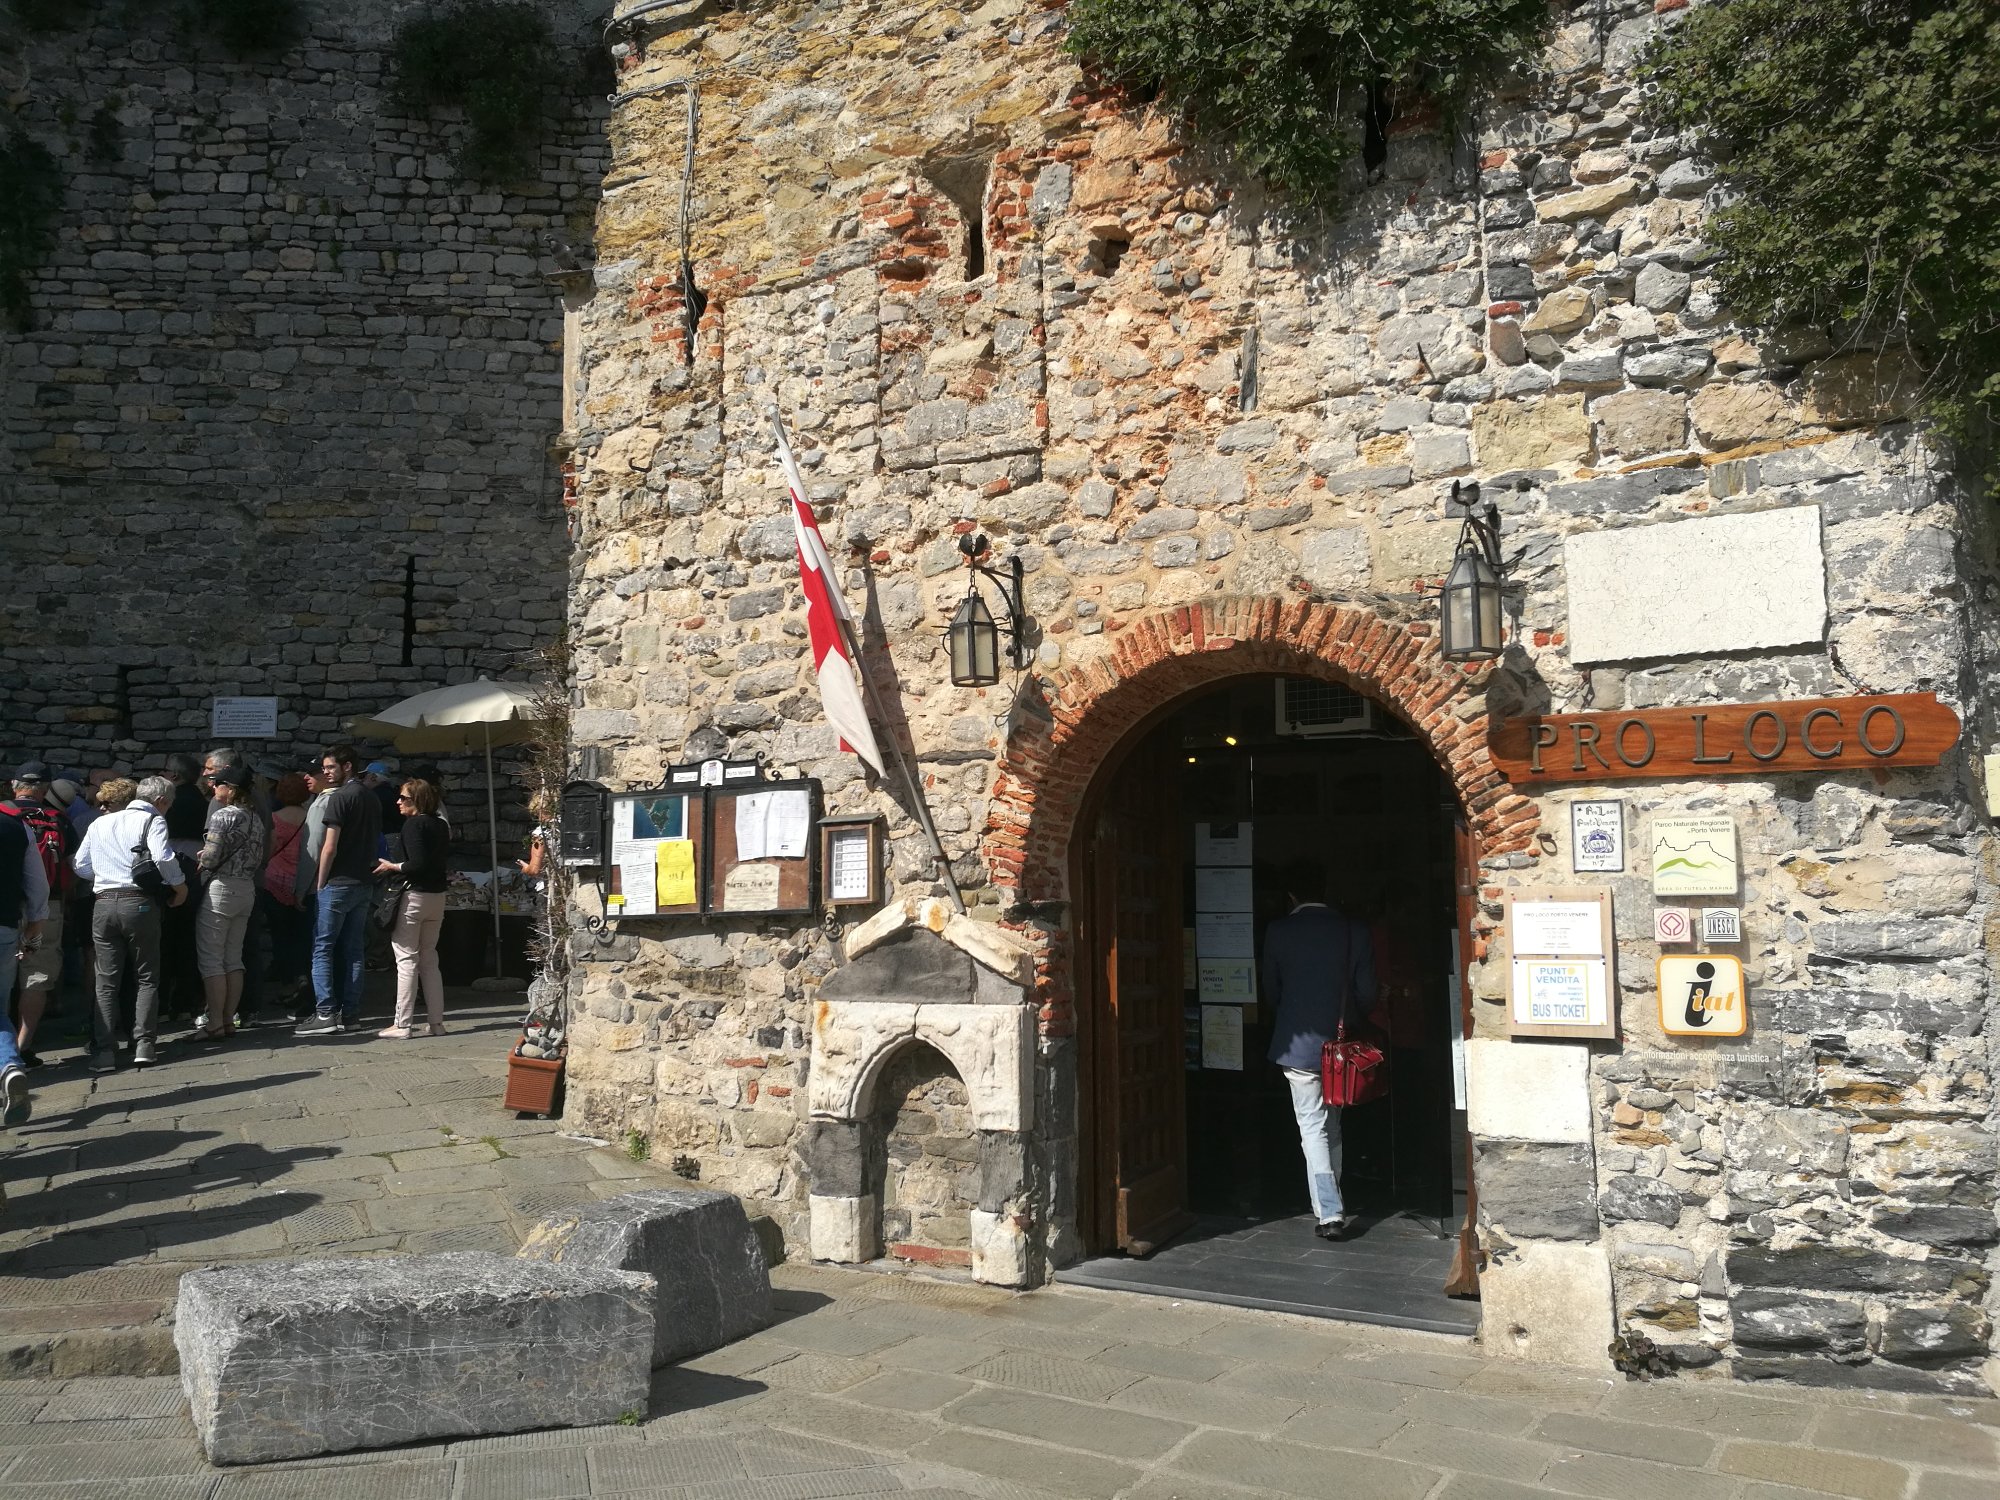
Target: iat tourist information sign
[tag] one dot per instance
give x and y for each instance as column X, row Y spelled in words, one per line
column 1727, row 739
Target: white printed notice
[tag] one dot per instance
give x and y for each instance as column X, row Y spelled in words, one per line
column 1226, row 981
column 1559, row 992
column 1222, row 890
column 1222, row 843
column 638, row 876
column 1563, row 927
column 750, row 888
column 773, row 825
column 1222, row 1038
column 847, row 878
column 1224, row 934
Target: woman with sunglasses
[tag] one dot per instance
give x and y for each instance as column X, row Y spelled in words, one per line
column 419, row 910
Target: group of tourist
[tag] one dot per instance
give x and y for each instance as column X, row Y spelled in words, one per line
column 166, row 892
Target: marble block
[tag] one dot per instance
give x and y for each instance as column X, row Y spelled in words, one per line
column 285, row 1360
column 712, row 1286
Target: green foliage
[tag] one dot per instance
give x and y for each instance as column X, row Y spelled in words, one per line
column 1863, row 137
column 496, row 59
column 252, row 26
column 31, row 194
column 50, row 15
column 637, row 1146
column 1288, row 83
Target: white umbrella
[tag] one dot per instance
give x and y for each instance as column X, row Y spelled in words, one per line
column 458, row 718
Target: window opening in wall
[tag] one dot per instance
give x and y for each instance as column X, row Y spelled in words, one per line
column 975, row 245
column 409, row 611
column 964, row 181
column 1375, row 127
column 122, row 704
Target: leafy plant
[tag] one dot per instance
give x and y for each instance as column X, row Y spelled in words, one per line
column 1297, row 86
column 496, row 60
column 637, row 1146
column 50, row 15
column 249, row 26
column 31, row 195
column 1861, row 139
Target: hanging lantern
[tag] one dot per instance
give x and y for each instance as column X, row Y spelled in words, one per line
column 974, row 643
column 1469, row 614
column 972, row 640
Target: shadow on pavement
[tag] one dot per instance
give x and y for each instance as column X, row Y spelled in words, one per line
column 170, row 1095
column 87, row 1247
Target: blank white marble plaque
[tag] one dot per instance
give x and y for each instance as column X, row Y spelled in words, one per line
column 1688, row 588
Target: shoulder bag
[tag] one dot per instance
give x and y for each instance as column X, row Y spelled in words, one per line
column 1352, row 1072
column 146, row 872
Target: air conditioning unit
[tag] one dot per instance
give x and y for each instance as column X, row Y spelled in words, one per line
column 1311, row 709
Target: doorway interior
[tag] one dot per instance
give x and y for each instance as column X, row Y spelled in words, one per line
column 1193, row 1182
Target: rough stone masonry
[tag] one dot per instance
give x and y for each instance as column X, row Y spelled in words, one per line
column 283, row 422
column 1220, row 433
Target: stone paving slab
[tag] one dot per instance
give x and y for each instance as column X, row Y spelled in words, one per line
column 271, row 1146
column 1341, row 1412
column 867, row 1384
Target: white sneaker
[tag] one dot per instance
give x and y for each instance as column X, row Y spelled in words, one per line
column 14, row 1093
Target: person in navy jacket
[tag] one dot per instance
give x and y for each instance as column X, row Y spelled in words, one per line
column 1319, row 965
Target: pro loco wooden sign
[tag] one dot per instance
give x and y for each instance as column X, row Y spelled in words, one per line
column 1727, row 739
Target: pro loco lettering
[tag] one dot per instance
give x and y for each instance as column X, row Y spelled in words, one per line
column 1727, row 739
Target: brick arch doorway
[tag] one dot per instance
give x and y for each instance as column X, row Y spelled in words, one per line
column 1063, row 770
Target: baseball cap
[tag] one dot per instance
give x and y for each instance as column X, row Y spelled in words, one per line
column 31, row 770
column 377, row 768
column 236, row 776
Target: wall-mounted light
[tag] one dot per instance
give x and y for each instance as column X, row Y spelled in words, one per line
column 1469, row 603
column 972, row 640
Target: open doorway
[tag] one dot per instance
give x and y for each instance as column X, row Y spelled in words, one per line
column 1193, row 1180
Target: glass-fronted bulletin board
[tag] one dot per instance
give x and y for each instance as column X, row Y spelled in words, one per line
column 741, row 848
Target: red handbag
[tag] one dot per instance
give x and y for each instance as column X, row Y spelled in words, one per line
column 1352, row 1072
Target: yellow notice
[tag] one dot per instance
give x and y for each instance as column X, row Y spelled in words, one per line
column 676, row 872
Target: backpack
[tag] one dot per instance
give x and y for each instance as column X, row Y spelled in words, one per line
column 51, row 833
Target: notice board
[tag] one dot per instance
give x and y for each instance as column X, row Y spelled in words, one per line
column 763, row 848
column 748, row 848
column 1560, row 949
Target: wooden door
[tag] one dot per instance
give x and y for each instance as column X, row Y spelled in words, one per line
column 1463, row 1278
column 1130, row 999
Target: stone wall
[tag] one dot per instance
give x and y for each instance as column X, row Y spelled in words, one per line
column 285, row 420
column 1221, row 436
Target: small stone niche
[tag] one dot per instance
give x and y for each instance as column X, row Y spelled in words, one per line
column 925, row 1167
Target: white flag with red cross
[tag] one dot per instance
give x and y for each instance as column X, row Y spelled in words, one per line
column 826, row 613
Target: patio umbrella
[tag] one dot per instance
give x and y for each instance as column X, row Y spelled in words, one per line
column 458, row 718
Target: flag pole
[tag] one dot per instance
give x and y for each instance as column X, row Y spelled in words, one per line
column 851, row 644
column 915, row 788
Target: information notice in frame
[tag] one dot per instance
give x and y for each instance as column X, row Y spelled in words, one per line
column 243, row 718
column 1559, row 949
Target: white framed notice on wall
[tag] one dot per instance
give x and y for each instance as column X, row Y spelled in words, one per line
column 1559, row 950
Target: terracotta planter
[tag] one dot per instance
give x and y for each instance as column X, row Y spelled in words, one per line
column 534, row 1085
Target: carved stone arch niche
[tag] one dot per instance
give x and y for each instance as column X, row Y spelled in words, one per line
column 919, row 973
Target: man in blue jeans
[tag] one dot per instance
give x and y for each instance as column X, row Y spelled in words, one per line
column 346, row 884
column 1319, row 966
column 24, row 906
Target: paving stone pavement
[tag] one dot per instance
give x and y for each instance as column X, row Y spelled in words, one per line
column 877, row 1384
column 268, row 1146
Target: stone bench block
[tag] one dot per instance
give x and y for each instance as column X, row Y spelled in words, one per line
column 284, row 1360
column 712, row 1284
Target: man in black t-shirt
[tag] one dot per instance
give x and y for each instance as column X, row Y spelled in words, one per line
column 346, row 884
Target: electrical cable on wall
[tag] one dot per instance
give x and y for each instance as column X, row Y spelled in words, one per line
column 693, row 300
